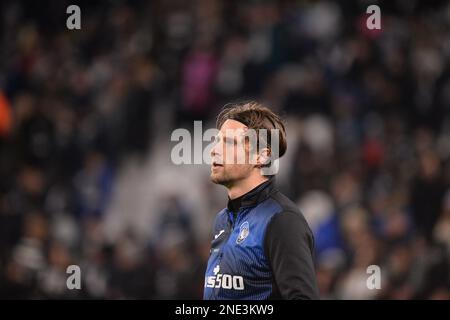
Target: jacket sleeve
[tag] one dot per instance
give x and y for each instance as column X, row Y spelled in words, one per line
column 289, row 246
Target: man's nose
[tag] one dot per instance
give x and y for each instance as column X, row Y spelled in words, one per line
column 214, row 151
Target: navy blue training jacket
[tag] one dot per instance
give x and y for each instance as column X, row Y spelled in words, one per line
column 262, row 248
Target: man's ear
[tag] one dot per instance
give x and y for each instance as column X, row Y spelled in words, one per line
column 263, row 157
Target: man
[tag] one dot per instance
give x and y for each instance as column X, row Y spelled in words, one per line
column 262, row 246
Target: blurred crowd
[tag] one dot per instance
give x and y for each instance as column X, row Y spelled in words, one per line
column 367, row 113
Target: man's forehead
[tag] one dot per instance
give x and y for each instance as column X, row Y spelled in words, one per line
column 233, row 133
column 232, row 128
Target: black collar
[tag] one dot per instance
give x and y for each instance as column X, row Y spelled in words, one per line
column 253, row 197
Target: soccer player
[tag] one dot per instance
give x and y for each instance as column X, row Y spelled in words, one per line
column 262, row 246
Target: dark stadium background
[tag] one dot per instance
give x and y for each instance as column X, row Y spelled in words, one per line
column 86, row 117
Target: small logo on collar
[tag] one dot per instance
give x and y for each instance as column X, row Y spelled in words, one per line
column 244, row 231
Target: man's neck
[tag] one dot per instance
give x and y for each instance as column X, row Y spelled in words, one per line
column 244, row 186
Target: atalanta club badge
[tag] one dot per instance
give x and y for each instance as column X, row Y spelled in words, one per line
column 244, row 231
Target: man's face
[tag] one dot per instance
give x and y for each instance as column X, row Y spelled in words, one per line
column 230, row 162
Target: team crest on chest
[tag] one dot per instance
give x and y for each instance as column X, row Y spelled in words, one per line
column 244, row 231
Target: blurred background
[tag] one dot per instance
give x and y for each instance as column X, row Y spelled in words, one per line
column 86, row 118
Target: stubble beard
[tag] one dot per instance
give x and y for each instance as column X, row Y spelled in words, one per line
column 220, row 179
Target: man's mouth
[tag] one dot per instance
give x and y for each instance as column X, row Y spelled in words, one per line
column 216, row 164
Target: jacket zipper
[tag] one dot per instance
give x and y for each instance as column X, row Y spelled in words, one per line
column 232, row 226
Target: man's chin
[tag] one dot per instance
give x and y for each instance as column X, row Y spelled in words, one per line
column 214, row 179
column 217, row 179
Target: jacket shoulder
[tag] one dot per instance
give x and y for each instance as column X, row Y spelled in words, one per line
column 286, row 205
